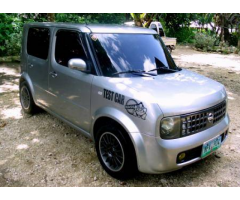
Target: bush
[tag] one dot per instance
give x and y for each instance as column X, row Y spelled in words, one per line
column 63, row 17
column 204, row 41
column 13, row 44
column 5, row 29
column 10, row 35
column 183, row 35
column 233, row 40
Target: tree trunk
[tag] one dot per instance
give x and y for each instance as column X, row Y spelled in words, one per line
column 226, row 34
column 222, row 34
column 222, row 29
column 217, row 31
column 138, row 23
column 239, row 36
column 51, row 17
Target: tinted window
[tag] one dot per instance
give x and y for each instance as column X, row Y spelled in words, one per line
column 68, row 46
column 161, row 32
column 123, row 52
column 38, row 42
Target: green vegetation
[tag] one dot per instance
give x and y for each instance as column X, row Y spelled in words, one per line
column 205, row 41
column 183, row 35
column 219, row 38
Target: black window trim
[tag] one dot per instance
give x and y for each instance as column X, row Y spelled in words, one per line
column 94, row 55
column 84, row 43
column 49, row 48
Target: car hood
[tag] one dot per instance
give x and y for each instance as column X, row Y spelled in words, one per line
column 178, row 93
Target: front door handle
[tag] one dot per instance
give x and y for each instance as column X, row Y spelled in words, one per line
column 30, row 65
column 53, row 74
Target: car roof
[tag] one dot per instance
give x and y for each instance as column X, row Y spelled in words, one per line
column 95, row 28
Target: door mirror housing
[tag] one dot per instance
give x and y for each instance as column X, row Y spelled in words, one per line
column 78, row 64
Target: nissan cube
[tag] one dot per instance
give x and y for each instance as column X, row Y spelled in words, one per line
column 119, row 86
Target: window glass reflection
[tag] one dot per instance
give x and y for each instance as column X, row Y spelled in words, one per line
column 123, row 52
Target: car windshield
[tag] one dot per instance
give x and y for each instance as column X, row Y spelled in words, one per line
column 118, row 53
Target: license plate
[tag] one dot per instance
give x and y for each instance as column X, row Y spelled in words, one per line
column 211, row 146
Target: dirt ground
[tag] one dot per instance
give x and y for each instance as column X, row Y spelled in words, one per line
column 40, row 150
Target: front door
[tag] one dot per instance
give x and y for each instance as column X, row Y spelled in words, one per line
column 70, row 89
column 38, row 61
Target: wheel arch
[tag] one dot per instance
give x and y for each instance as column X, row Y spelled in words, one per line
column 109, row 113
column 104, row 114
column 25, row 77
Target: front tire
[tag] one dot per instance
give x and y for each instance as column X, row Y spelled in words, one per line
column 26, row 99
column 115, row 152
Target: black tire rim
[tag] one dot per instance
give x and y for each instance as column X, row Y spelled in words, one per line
column 111, row 151
column 25, row 97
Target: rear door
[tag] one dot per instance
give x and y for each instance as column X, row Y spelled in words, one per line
column 70, row 89
column 38, row 44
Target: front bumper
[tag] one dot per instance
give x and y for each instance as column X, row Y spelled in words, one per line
column 156, row 155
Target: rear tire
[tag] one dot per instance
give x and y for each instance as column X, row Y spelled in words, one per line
column 26, row 99
column 116, row 152
column 169, row 49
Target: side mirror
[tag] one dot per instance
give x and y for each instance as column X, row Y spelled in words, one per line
column 78, row 64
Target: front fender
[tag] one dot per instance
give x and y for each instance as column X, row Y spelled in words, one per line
column 130, row 127
column 116, row 115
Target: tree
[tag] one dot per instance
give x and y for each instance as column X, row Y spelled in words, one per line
column 138, row 18
column 226, row 21
column 205, row 18
column 51, row 17
column 143, row 19
column 239, row 36
column 177, row 20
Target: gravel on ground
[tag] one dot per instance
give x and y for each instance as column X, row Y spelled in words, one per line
column 41, row 150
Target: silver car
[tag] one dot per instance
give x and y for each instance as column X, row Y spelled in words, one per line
column 119, row 86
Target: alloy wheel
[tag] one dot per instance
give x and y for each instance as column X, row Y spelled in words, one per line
column 111, row 151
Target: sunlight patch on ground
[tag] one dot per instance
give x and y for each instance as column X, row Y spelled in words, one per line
column 22, row 146
column 231, row 98
column 12, row 113
column 35, row 132
column 230, row 94
column 35, row 140
column 8, row 87
column 8, row 71
column 216, row 60
column 2, row 162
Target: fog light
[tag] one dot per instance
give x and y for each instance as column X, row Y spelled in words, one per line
column 181, row 156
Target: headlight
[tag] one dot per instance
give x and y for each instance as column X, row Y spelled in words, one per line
column 170, row 128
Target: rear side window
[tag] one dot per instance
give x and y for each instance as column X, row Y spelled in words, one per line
column 68, row 46
column 38, row 42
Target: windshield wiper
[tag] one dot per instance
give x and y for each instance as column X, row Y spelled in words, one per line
column 161, row 66
column 163, row 69
column 135, row 72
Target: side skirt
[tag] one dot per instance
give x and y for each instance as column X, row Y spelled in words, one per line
column 85, row 133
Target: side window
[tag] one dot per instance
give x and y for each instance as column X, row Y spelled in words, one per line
column 161, row 32
column 68, row 46
column 38, row 42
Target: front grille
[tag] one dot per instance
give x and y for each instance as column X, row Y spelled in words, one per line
column 219, row 112
column 202, row 120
